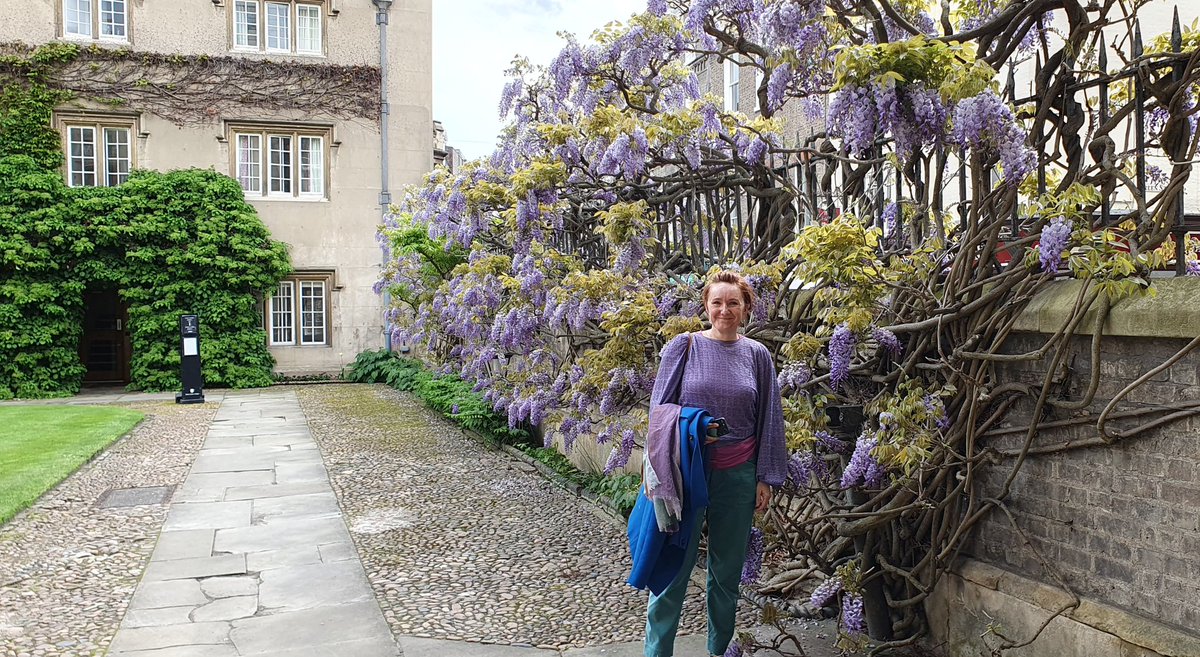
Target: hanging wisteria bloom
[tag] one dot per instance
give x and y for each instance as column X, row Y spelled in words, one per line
column 823, row 594
column 752, row 567
column 853, row 620
column 985, row 123
column 1056, row 238
column 863, row 469
column 888, row 341
column 1193, row 267
column 841, row 350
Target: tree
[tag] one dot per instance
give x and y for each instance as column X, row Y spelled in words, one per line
column 617, row 184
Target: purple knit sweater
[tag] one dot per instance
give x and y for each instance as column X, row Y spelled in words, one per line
column 735, row 380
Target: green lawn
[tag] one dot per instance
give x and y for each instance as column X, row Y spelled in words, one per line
column 41, row 445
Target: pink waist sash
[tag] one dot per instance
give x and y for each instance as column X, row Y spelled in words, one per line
column 723, row 456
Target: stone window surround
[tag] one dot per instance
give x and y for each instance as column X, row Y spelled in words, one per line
column 98, row 120
column 328, row 278
column 61, row 25
column 295, row 130
column 327, row 10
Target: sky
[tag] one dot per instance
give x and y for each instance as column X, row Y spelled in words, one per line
column 474, row 41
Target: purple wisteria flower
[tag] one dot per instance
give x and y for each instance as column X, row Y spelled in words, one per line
column 752, row 567
column 823, row 594
column 1056, row 238
column 805, row 467
column 620, row 454
column 863, row 468
column 793, row 375
column 985, row 123
column 829, row 443
column 853, row 621
column 1193, row 267
column 891, row 220
column 777, row 85
column 841, row 350
column 888, row 341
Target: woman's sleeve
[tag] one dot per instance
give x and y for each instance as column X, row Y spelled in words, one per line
column 772, row 444
column 670, row 371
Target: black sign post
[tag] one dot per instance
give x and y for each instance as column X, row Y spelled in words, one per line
column 189, row 352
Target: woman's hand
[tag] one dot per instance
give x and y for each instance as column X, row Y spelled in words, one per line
column 762, row 498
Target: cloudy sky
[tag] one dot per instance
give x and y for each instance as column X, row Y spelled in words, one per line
column 474, row 41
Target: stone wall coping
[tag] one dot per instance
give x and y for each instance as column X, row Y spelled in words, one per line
column 1127, row 626
column 1173, row 312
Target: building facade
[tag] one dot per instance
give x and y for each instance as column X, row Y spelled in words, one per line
column 319, row 180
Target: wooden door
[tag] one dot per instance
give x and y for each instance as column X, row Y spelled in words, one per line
column 104, row 348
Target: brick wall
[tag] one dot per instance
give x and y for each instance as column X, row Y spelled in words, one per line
column 1120, row 523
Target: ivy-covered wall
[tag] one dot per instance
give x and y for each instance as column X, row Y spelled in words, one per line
column 182, row 242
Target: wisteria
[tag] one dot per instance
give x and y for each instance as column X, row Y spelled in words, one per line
column 752, row 567
column 853, row 620
column 824, row 594
column 888, row 341
column 841, row 350
column 1056, row 237
column 863, row 469
column 557, row 267
column 985, row 124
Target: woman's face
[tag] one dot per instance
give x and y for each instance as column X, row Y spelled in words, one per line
column 726, row 307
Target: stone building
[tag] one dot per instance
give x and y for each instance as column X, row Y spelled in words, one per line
column 318, row 180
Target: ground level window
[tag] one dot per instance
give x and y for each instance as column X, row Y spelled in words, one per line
column 298, row 313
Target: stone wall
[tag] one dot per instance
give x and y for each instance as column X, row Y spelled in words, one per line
column 1120, row 524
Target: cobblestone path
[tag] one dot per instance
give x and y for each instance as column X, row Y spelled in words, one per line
column 463, row 542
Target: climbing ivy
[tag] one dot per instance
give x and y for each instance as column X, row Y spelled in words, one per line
column 183, row 242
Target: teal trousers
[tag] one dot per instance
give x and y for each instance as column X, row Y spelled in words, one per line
column 730, row 515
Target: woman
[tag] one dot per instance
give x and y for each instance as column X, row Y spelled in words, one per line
column 730, row 376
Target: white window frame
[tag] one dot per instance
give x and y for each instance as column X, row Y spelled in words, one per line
column 313, row 318
column 108, row 168
column 302, row 22
column 281, row 316
column 298, row 313
column 94, row 20
column 280, row 162
column 733, row 78
column 241, row 28
column 310, row 39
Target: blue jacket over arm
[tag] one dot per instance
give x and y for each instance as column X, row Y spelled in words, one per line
column 658, row 556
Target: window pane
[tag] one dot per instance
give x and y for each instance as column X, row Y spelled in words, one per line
column 249, row 162
column 81, row 144
column 245, row 23
column 312, row 312
column 281, row 164
column 312, row 165
column 77, row 16
column 279, row 27
column 116, row 156
column 112, row 18
column 282, row 308
column 308, row 28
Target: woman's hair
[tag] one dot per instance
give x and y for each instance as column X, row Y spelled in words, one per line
column 733, row 278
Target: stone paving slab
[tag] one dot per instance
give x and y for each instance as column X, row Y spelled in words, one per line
column 315, row 629
column 184, row 544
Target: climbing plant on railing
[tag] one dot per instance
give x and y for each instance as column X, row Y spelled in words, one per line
column 942, row 202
